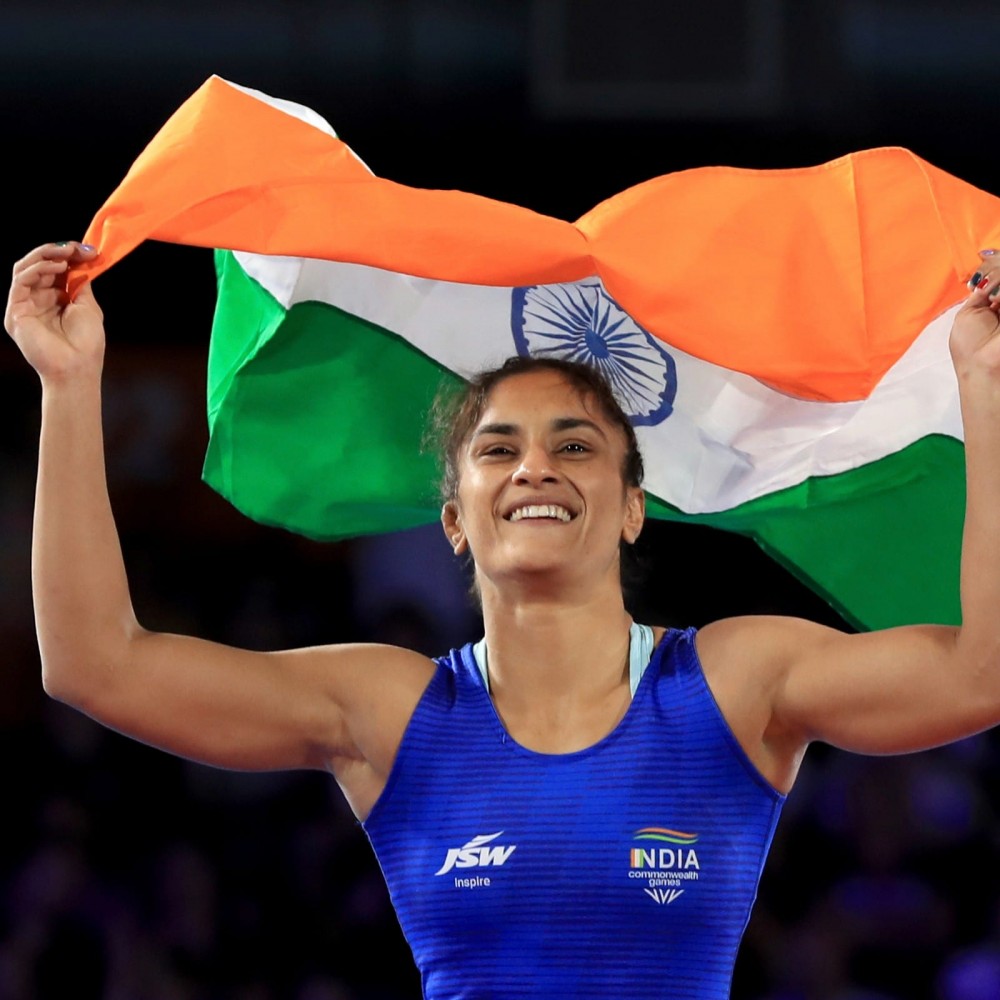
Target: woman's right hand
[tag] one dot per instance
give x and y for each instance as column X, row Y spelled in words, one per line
column 59, row 338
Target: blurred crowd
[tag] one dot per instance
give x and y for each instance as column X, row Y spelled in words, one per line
column 132, row 875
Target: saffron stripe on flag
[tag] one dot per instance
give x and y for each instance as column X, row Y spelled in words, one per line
column 808, row 258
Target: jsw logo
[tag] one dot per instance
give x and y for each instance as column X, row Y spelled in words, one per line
column 475, row 854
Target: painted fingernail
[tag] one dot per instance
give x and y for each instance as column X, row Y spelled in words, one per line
column 87, row 246
column 994, row 292
column 986, row 253
column 983, row 283
column 975, row 279
column 63, row 243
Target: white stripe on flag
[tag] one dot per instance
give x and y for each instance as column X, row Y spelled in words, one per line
column 290, row 108
column 729, row 438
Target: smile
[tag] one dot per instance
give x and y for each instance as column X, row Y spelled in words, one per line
column 548, row 511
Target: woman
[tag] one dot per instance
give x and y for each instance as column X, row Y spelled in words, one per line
column 577, row 805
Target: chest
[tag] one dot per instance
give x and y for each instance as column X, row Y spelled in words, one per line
column 572, row 872
column 645, row 821
column 555, row 730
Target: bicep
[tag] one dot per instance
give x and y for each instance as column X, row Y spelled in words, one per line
column 891, row 691
column 237, row 708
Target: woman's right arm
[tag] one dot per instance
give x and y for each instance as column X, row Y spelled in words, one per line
column 339, row 707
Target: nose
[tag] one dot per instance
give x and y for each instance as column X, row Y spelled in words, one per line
column 536, row 467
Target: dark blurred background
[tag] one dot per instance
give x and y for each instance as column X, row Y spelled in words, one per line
column 130, row 875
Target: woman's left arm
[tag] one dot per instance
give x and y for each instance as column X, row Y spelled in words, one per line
column 913, row 687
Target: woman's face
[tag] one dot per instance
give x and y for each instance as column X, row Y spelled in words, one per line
column 540, row 485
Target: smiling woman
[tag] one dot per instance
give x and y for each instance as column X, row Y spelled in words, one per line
column 571, row 753
column 455, row 414
column 545, row 467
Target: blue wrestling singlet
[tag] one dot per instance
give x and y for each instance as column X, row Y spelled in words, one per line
column 627, row 869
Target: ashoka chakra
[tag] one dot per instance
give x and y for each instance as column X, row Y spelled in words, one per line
column 581, row 322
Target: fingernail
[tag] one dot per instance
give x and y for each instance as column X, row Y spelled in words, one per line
column 63, row 243
column 87, row 246
column 983, row 283
column 986, row 253
column 975, row 279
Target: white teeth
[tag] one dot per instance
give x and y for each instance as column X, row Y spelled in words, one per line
column 541, row 510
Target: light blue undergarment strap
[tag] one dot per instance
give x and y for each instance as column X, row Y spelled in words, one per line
column 640, row 651
column 479, row 652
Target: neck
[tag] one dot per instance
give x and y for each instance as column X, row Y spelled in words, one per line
column 557, row 650
column 559, row 676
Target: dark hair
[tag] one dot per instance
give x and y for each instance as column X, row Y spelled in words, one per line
column 454, row 415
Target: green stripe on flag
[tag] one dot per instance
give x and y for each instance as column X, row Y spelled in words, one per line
column 881, row 543
column 244, row 320
column 318, row 430
column 321, row 431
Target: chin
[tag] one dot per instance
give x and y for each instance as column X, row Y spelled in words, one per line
column 538, row 566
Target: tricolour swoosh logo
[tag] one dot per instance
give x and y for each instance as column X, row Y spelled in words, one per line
column 662, row 833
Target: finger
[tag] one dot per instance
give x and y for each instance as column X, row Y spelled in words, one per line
column 81, row 252
column 44, row 272
column 64, row 250
column 985, row 274
column 37, row 301
column 39, row 287
column 38, row 304
column 984, row 293
column 47, row 251
column 48, row 301
column 989, row 263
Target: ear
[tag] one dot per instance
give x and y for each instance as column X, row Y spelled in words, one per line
column 451, row 521
column 635, row 514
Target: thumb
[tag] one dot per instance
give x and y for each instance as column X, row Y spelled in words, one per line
column 84, row 295
column 80, row 270
column 83, row 308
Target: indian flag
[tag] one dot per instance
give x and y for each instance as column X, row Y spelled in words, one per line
column 779, row 338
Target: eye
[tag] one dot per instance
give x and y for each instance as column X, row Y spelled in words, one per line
column 575, row 448
column 500, row 450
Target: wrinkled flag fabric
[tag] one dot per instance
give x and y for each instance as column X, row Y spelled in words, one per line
column 779, row 338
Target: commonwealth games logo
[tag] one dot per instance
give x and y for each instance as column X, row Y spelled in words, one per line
column 664, row 872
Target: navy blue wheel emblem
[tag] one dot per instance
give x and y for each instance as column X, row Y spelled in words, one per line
column 581, row 322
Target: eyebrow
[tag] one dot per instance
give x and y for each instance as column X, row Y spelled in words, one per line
column 559, row 424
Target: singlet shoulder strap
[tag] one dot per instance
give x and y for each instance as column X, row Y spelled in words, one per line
column 640, row 651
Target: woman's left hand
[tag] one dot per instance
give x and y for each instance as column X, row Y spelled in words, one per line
column 975, row 334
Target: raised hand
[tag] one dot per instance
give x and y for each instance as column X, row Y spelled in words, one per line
column 59, row 338
column 975, row 334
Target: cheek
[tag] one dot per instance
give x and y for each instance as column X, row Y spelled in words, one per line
column 476, row 506
column 472, row 492
column 465, row 509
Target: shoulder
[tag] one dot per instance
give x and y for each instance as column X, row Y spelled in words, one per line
column 355, row 692
column 747, row 661
column 376, row 690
